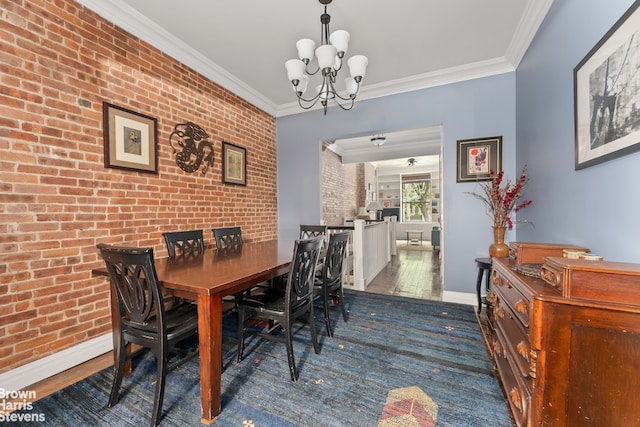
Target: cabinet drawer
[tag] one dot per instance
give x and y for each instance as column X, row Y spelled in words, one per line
column 513, row 337
column 520, row 304
column 517, row 394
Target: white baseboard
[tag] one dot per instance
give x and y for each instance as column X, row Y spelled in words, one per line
column 26, row 375
column 460, row 297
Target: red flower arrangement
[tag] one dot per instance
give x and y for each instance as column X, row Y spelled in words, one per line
column 502, row 199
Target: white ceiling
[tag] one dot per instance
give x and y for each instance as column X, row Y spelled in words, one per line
column 243, row 44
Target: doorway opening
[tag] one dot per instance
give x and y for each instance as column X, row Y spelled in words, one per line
column 363, row 178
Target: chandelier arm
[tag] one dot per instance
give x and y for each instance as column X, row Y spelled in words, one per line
column 335, row 71
column 345, row 98
column 353, row 101
column 306, row 70
column 313, row 101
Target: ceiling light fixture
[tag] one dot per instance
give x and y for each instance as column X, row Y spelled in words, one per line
column 412, row 162
column 378, row 140
column 330, row 55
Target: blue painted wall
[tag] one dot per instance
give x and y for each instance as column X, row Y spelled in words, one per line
column 597, row 207
column 479, row 108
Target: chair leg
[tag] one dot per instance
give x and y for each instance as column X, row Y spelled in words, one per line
column 161, row 376
column 312, row 326
column 341, row 302
column 327, row 321
column 118, row 373
column 240, row 335
column 290, row 359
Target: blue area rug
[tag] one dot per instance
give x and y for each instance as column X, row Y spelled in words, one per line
column 388, row 343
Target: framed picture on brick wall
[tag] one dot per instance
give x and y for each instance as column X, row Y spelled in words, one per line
column 234, row 164
column 130, row 140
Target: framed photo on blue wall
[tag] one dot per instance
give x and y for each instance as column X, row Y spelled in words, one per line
column 478, row 158
column 607, row 95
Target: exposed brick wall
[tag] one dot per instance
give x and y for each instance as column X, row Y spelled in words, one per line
column 58, row 63
column 339, row 189
column 366, row 176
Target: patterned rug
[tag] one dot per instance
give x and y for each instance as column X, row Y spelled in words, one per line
column 396, row 362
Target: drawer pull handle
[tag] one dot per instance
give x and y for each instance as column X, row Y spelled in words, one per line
column 522, row 307
column 523, row 350
column 514, row 395
column 500, row 313
column 549, row 276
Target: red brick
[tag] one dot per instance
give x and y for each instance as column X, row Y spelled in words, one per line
column 57, row 198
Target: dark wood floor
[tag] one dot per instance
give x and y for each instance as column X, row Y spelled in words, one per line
column 414, row 272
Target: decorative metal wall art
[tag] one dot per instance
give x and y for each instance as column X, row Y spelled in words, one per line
column 193, row 149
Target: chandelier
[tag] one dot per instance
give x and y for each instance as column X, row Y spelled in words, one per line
column 330, row 55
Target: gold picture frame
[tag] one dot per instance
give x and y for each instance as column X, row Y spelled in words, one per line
column 477, row 158
column 234, row 164
column 130, row 140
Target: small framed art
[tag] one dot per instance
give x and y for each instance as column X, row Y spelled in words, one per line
column 130, row 139
column 477, row 158
column 234, row 164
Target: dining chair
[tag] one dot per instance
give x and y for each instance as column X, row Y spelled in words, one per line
column 183, row 243
column 309, row 231
column 229, row 243
column 187, row 242
column 227, row 236
column 141, row 318
column 281, row 307
column 328, row 284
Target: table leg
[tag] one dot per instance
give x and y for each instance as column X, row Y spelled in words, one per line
column 478, row 288
column 210, row 339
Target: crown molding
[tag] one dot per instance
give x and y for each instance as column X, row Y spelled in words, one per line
column 129, row 19
column 530, row 21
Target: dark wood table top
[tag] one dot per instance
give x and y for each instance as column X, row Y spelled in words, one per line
column 223, row 272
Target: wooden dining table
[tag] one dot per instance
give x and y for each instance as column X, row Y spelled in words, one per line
column 207, row 278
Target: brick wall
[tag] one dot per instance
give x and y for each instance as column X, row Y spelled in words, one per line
column 58, row 63
column 340, row 188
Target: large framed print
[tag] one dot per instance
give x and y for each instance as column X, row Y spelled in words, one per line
column 478, row 158
column 234, row 164
column 607, row 95
column 130, row 139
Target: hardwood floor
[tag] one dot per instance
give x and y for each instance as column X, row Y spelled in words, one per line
column 414, row 272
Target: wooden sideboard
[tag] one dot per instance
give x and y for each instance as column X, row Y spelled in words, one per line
column 567, row 344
